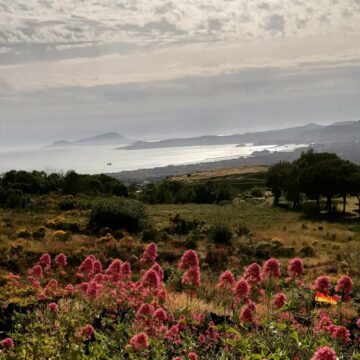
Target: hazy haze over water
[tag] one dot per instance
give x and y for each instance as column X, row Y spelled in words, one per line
column 94, row 159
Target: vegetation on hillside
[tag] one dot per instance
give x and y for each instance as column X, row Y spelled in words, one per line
column 315, row 176
column 76, row 269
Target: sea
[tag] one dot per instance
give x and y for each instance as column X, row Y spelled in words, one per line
column 108, row 159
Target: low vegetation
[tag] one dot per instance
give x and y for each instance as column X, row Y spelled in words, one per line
column 98, row 274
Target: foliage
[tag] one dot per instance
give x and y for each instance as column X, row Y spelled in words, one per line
column 220, row 234
column 177, row 192
column 91, row 311
column 16, row 186
column 314, row 175
column 122, row 213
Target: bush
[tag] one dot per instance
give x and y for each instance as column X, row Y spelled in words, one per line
column 61, row 235
column 220, row 234
column 68, row 203
column 24, row 234
column 307, row 251
column 257, row 192
column 150, row 235
column 217, row 258
column 14, row 199
column 39, row 233
column 123, row 213
column 243, row 231
column 310, row 207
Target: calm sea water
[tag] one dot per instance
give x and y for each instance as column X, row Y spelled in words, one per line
column 94, row 159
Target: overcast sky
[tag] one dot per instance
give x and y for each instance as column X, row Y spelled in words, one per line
column 151, row 69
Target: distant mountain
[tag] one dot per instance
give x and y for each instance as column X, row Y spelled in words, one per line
column 310, row 133
column 110, row 138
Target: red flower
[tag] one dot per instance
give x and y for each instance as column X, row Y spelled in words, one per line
column 192, row 356
column 201, row 339
column 151, row 279
column 295, row 268
column 139, row 341
column 192, row 277
column 160, row 314
column 87, row 331
column 53, row 306
column 159, row 270
column 145, row 310
column 7, row 343
column 126, row 270
column 241, row 290
column 344, row 285
column 322, row 284
column 87, row 266
column 114, row 270
column 189, row 260
column 279, row 301
column 149, row 255
column 246, row 315
column 226, row 280
column 339, row 332
column 92, row 289
column 37, row 271
column 60, row 260
column 97, row 267
column 271, row 268
column 70, row 288
column 45, row 260
column 324, row 353
column 41, row 297
column 253, row 274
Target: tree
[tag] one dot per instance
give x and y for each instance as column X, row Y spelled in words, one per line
column 354, row 185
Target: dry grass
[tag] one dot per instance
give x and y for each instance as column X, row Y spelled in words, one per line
column 176, row 301
column 216, row 173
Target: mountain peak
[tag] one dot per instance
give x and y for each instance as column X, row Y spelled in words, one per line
column 108, row 138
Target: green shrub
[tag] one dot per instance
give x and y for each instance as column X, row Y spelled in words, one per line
column 24, row 234
column 243, row 231
column 39, row 233
column 263, row 249
column 150, row 235
column 310, row 207
column 217, row 258
column 257, row 192
column 68, row 203
column 122, row 213
column 307, row 251
column 220, row 234
column 14, row 199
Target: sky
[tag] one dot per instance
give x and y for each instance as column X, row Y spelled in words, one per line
column 151, row 69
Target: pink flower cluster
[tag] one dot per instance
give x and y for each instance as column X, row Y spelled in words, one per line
column 144, row 299
column 326, row 325
column 189, row 263
column 324, row 353
column 86, row 331
column 271, row 269
column 140, row 341
column 7, row 343
column 149, row 255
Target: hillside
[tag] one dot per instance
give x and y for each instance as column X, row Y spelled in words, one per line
column 311, row 133
column 93, row 275
column 110, row 138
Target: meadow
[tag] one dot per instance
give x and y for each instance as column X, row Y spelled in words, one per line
column 232, row 280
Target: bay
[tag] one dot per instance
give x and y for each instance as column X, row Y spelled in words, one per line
column 97, row 159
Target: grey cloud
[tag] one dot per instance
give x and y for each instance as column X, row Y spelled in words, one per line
column 275, row 23
column 264, row 6
column 268, row 96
